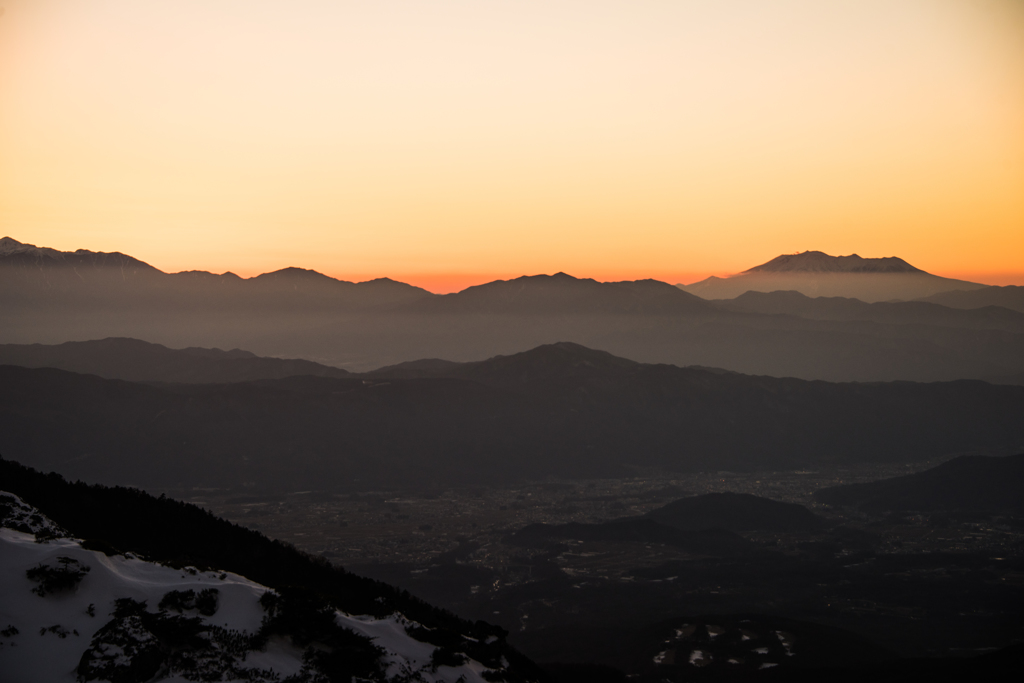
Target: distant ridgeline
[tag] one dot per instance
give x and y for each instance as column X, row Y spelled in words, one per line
column 49, row 296
column 557, row 410
column 179, row 592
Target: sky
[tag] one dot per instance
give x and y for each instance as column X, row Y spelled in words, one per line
column 452, row 142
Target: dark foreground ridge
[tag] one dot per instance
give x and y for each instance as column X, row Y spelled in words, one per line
column 118, row 520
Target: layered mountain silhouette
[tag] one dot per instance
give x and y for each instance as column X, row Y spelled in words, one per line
column 139, row 361
column 965, row 484
column 989, row 317
column 1010, row 296
column 39, row 276
column 815, row 273
column 52, row 297
column 557, row 410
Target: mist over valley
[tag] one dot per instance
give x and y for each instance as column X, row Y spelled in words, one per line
column 608, row 478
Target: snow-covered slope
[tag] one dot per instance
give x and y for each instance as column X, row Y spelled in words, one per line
column 71, row 613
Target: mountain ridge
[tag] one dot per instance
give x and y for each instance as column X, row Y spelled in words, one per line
column 140, row 361
column 31, row 270
column 820, row 262
column 296, row 313
column 555, row 412
column 815, row 273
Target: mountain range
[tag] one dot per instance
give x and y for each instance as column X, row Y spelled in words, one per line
column 139, row 361
column 52, row 297
column 557, row 410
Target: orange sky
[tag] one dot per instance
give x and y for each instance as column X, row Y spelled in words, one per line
column 451, row 142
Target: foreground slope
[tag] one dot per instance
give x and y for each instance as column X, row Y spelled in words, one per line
column 93, row 610
column 558, row 410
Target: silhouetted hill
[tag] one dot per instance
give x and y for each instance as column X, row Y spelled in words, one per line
column 139, row 361
column 560, row 411
column 735, row 512
column 427, row 367
column 968, row 483
column 897, row 312
column 551, row 364
column 1010, row 296
column 815, row 273
column 1016, row 378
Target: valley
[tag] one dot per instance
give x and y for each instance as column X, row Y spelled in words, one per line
column 917, row 584
column 388, row 526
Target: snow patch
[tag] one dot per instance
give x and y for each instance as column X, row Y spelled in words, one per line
column 111, row 610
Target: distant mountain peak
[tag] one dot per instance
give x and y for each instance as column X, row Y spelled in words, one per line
column 543, row 278
column 820, row 262
column 549, row 361
column 293, row 272
column 16, row 251
column 10, row 246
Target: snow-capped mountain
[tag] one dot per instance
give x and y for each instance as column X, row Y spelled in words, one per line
column 74, row 610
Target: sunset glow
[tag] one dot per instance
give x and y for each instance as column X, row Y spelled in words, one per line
column 453, row 142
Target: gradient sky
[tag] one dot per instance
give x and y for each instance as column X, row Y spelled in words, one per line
column 448, row 142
